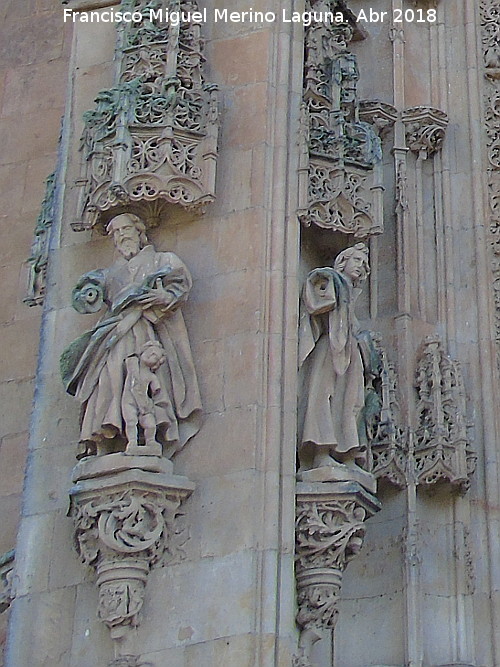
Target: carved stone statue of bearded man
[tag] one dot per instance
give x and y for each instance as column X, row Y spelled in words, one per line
column 336, row 359
column 142, row 292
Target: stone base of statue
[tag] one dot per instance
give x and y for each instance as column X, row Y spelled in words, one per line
column 127, row 518
column 339, row 472
column 329, row 532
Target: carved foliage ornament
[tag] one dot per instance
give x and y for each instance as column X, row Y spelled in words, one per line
column 388, row 446
column 442, row 450
column 490, row 25
column 340, row 181
column 123, row 534
column 328, row 536
column 129, row 522
column 329, row 532
column 151, row 140
column 6, row 569
column 425, row 129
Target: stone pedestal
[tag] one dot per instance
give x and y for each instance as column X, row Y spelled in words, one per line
column 329, row 533
column 126, row 511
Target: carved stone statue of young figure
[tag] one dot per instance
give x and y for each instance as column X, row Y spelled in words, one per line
column 338, row 364
column 142, row 292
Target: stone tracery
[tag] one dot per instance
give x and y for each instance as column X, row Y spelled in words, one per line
column 151, row 139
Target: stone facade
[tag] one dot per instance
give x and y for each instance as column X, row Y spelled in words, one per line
column 35, row 52
column 283, row 239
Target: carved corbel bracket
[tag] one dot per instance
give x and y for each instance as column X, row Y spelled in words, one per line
column 329, row 532
column 425, row 129
column 127, row 516
column 380, row 115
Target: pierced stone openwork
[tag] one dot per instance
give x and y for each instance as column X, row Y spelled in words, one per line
column 442, row 450
column 340, row 185
column 388, row 444
column 151, row 140
column 490, row 24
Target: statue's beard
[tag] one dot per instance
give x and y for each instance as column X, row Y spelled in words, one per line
column 128, row 248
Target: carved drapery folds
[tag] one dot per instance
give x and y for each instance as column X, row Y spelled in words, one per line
column 441, row 447
column 133, row 372
column 490, row 23
column 127, row 517
column 329, row 531
column 151, row 139
column 339, row 174
column 134, row 376
column 38, row 260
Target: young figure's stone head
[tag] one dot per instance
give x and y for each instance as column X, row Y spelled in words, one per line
column 353, row 263
column 152, row 355
column 128, row 233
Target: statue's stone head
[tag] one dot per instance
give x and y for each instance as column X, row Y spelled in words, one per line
column 128, row 233
column 153, row 354
column 353, row 263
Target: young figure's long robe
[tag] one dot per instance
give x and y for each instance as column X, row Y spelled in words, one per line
column 93, row 367
column 332, row 367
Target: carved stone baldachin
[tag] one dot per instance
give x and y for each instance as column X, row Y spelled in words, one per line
column 151, row 139
column 442, row 449
column 127, row 517
column 425, row 129
column 38, row 260
column 340, row 185
column 329, row 532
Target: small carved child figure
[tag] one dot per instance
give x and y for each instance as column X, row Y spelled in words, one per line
column 140, row 393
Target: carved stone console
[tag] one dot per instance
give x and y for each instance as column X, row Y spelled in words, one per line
column 329, row 532
column 425, row 129
column 127, row 516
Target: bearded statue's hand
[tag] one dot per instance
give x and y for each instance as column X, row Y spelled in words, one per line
column 158, row 297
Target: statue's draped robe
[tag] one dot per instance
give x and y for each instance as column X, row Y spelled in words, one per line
column 94, row 368
column 333, row 380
